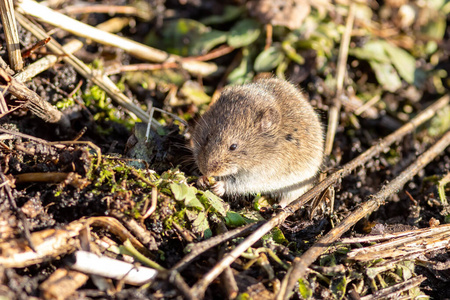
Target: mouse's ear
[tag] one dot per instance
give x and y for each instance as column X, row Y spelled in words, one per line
column 269, row 119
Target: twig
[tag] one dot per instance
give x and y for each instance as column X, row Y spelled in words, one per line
column 416, row 242
column 62, row 283
column 142, row 235
column 136, row 49
column 333, row 113
column 17, row 211
column 49, row 60
column 177, row 280
column 140, row 67
column 99, row 8
column 23, row 135
column 269, row 36
column 152, row 208
column 114, row 24
column 218, row 52
column 41, row 43
column 102, row 81
column 33, row 102
column 170, row 65
column 11, row 34
column 367, row 105
column 3, row 105
column 227, row 278
column 300, row 265
column 383, row 237
column 201, row 285
column 392, row 292
column 201, row 247
column 46, row 62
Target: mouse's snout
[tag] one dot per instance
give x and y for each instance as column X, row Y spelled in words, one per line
column 211, row 168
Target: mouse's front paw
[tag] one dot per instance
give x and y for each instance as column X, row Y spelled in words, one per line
column 218, row 188
column 203, row 182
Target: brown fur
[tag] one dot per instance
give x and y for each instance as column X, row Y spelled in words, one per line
column 278, row 135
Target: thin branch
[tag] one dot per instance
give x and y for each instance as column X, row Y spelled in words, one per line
column 203, row 246
column 19, row 213
column 99, row 79
column 136, row 49
column 33, row 101
column 11, row 34
column 333, row 113
column 46, row 62
column 300, row 265
column 393, row 292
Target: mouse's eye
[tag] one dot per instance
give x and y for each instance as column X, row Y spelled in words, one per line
column 233, row 147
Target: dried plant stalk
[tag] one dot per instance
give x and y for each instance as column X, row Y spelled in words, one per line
column 136, row 49
column 11, row 34
column 301, row 264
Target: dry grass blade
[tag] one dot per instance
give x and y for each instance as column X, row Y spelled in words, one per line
column 48, row 243
column 46, row 62
column 301, row 264
column 136, row 49
column 36, row 104
column 416, row 242
column 3, row 105
column 203, row 246
column 333, row 114
column 384, row 237
column 101, row 80
column 11, row 34
column 393, row 292
column 200, row 287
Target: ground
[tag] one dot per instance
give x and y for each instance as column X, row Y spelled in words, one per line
column 93, row 166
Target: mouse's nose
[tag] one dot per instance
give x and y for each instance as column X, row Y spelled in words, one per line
column 212, row 168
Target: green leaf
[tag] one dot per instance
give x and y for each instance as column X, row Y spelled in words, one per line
column 278, row 236
column 191, row 199
column 339, row 286
column 243, row 33
column 374, row 271
column 201, row 225
column 207, row 41
column 304, row 289
column 230, row 13
column 194, row 93
column 218, row 204
column 440, row 123
column 292, row 53
column 441, row 188
column 404, row 62
column 243, row 73
column 187, row 193
column 435, row 29
column 178, row 35
column 372, row 51
column 268, row 59
column 234, row 219
column 386, row 76
column 179, row 191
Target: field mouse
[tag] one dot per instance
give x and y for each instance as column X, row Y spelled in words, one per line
column 262, row 137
